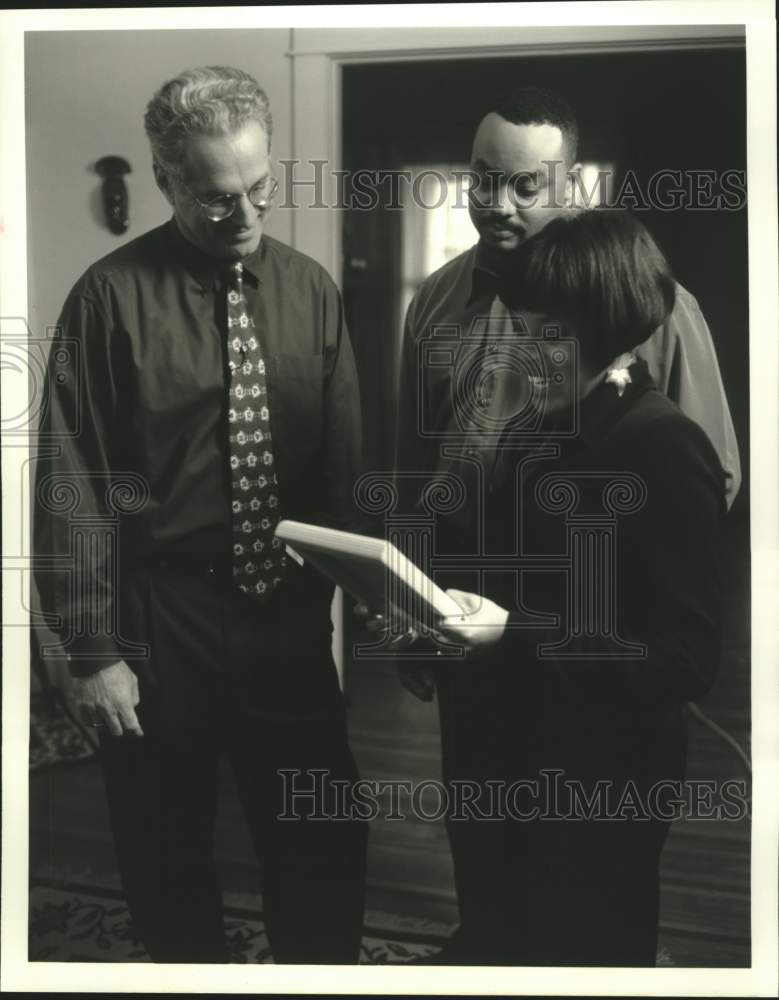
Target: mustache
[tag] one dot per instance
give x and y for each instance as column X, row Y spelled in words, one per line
column 498, row 222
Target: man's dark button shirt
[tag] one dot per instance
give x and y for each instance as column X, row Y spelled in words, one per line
column 151, row 395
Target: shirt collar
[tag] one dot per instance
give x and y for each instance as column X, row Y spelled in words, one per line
column 485, row 276
column 205, row 269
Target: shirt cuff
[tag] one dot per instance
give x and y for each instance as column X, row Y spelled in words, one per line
column 80, row 666
column 88, row 656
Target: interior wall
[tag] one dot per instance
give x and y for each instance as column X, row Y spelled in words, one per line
column 86, row 93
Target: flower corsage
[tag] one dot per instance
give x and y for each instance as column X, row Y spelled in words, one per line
column 617, row 373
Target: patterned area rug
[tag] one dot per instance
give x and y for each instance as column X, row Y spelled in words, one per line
column 76, row 923
column 73, row 923
column 57, row 738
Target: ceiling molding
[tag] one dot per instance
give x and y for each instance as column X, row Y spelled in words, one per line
column 393, row 44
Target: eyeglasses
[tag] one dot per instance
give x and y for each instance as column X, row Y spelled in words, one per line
column 223, row 206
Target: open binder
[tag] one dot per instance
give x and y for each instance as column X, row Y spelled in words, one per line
column 372, row 570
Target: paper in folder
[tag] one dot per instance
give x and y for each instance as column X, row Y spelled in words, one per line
column 370, row 569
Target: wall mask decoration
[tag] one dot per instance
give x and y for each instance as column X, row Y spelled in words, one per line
column 115, row 200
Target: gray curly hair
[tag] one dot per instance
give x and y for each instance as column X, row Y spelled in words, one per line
column 210, row 100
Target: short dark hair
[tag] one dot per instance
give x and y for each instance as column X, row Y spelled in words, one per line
column 601, row 270
column 536, row 106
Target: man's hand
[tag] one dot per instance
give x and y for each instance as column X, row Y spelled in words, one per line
column 109, row 698
column 417, row 679
column 482, row 622
column 375, row 623
column 364, row 615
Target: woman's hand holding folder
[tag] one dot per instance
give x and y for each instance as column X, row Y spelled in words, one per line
column 482, row 623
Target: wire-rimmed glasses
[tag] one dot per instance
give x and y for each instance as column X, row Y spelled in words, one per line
column 224, row 205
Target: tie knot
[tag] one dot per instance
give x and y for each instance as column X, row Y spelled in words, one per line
column 233, row 275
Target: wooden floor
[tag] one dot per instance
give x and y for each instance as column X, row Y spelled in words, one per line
column 705, row 894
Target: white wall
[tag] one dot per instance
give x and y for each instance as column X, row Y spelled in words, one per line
column 86, row 93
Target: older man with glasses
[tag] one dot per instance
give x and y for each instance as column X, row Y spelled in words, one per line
column 212, row 369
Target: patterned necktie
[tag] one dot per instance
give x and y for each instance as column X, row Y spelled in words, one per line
column 258, row 558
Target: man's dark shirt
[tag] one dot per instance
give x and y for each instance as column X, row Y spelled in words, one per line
column 145, row 393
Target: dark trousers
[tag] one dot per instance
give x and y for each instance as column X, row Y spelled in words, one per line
column 538, row 890
column 257, row 684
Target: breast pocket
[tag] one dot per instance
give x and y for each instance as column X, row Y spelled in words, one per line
column 295, row 397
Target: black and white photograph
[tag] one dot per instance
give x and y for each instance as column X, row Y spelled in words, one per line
column 390, row 480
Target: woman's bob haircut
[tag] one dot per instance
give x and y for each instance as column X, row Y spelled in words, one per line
column 601, row 271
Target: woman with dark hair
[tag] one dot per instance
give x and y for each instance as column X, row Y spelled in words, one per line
column 583, row 655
